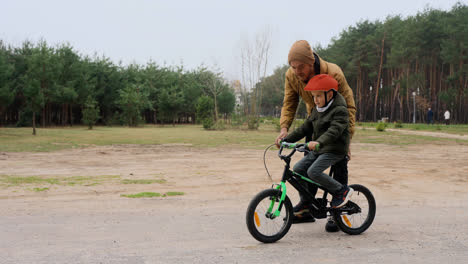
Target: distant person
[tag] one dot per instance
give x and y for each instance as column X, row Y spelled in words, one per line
column 305, row 64
column 430, row 116
column 447, row 117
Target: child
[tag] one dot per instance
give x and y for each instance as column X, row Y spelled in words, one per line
column 328, row 124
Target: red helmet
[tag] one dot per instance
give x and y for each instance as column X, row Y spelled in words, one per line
column 322, row 82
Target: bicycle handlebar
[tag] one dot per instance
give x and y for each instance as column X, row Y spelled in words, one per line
column 294, row 146
column 301, row 147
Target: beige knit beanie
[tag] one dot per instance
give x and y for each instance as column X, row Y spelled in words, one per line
column 301, row 51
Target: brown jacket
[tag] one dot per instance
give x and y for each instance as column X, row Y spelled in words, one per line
column 294, row 87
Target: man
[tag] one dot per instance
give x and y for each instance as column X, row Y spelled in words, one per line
column 430, row 116
column 447, row 117
column 304, row 65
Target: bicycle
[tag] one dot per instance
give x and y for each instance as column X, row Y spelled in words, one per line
column 270, row 213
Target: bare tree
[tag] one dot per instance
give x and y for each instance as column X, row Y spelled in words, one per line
column 254, row 62
column 214, row 86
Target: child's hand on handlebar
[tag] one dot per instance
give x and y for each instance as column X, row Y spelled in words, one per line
column 312, row 145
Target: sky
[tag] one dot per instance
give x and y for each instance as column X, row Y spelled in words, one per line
column 192, row 33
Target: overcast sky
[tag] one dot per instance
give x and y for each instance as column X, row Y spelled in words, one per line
column 191, row 32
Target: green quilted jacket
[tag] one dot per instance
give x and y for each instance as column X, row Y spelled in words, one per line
column 329, row 128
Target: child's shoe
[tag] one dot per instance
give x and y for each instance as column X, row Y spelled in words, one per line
column 342, row 197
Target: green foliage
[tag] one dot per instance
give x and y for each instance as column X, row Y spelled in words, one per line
column 174, row 193
column 448, row 97
column 37, row 189
column 276, row 123
column 237, row 120
column 424, row 53
column 226, row 102
column 252, row 122
column 204, row 108
column 273, row 91
column 398, row 124
column 90, row 112
column 208, row 123
column 71, row 181
column 204, row 114
column 141, row 195
column 151, row 194
column 19, row 140
column 133, row 101
column 171, row 103
column 7, row 93
column 381, row 126
column 219, row 125
column 142, row 181
column 53, row 85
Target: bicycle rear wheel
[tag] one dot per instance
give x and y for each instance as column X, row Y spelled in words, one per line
column 262, row 225
column 358, row 214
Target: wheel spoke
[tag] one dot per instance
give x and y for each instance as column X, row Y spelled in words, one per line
column 269, row 226
column 361, row 212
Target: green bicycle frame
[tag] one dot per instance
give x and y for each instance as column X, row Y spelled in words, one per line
column 281, row 186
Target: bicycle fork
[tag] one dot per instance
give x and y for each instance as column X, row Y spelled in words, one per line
column 271, row 213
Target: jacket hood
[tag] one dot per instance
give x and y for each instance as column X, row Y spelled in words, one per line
column 339, row 100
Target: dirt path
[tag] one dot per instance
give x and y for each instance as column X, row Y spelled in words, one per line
column 422, row 208
column 425, row 133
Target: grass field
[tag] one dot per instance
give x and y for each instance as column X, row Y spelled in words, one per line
column 452, row 129
column 50, row 139
column 12, row 181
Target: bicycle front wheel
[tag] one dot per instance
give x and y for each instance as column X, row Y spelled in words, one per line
column 358, row 214
column 261, row 223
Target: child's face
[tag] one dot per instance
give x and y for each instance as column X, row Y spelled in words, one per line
column 319, row 97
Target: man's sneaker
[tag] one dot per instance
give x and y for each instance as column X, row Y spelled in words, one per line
column 301, row 207
column 331, row 225
column 342, row 197
column 303, row 218
column 302, row 213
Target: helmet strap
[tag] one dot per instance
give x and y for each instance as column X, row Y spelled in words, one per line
column 326, row 96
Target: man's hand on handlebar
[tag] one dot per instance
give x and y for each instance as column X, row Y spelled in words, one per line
column 283, row 134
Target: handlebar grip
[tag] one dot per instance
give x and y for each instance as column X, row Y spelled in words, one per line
column 288, row 145
column 317, row 147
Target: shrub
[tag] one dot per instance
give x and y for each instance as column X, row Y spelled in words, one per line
column 90, row 113
column 204, row 108
column 252, row 122
column 208, row 123
column 219, row 125
column 381, row 126
column 276, row 123
column 398, row 124
column 114, row 120
column 237, row 120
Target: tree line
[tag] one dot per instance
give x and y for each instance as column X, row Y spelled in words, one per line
column 397, row 68
column 385, row 63
column 56, row 86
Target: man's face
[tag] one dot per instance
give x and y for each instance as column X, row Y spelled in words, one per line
column 302, row 70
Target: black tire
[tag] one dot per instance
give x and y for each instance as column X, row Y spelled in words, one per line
column 358, row 222
column 265, row 229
